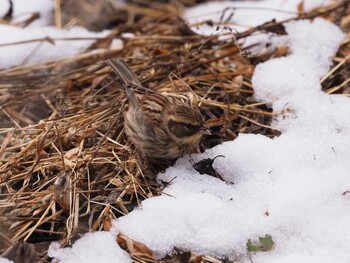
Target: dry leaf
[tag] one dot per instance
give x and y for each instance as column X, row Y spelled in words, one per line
column 134, row 248
column 301, row 7
column 62, row 191
column 205, row 166
column 238, row 81
column 72, row 130
column 85, row 134
column 72, row 154
column 107, row 220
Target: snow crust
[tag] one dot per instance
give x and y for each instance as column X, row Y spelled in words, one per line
column 98, row 247
column 289, row 187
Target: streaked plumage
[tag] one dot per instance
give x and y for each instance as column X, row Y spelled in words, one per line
column 160, row 126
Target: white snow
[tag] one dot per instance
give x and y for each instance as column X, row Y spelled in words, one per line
column 98, row 247
column 289, row 187
column 5, row 260
column 241, row 15
column 73, row 41
column 23, row 9
column 229, row 17
column 39, row 51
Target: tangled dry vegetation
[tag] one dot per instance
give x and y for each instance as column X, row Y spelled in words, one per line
column 66, row 166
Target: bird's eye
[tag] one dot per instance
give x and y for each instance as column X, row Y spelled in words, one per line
column 181, row 130
column 188, row 126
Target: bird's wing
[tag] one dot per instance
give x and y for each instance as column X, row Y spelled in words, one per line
column 153, row 107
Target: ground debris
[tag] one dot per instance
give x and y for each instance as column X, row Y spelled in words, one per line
column 65, row 162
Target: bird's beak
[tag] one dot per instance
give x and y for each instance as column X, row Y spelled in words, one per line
column 204, row 129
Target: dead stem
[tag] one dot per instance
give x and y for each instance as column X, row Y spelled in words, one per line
column 65, row 162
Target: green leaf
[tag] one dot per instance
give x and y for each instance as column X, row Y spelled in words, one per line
column 252, row 247
column 264, row 244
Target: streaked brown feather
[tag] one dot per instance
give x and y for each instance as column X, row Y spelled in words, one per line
column 160, row 126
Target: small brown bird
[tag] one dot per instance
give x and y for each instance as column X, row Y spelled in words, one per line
column 162, row 127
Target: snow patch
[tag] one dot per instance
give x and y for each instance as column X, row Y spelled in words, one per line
column 39, row 51
column 98, row 247
column 289, row 187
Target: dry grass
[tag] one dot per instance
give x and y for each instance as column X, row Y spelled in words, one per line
column 67, row 168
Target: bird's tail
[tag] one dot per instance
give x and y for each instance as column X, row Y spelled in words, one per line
column 123, row 71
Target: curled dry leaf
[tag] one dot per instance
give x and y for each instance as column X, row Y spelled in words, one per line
column 62, row 191
column 301, row 7
column 107, row 220
column 134, row 248
column 205, row 166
